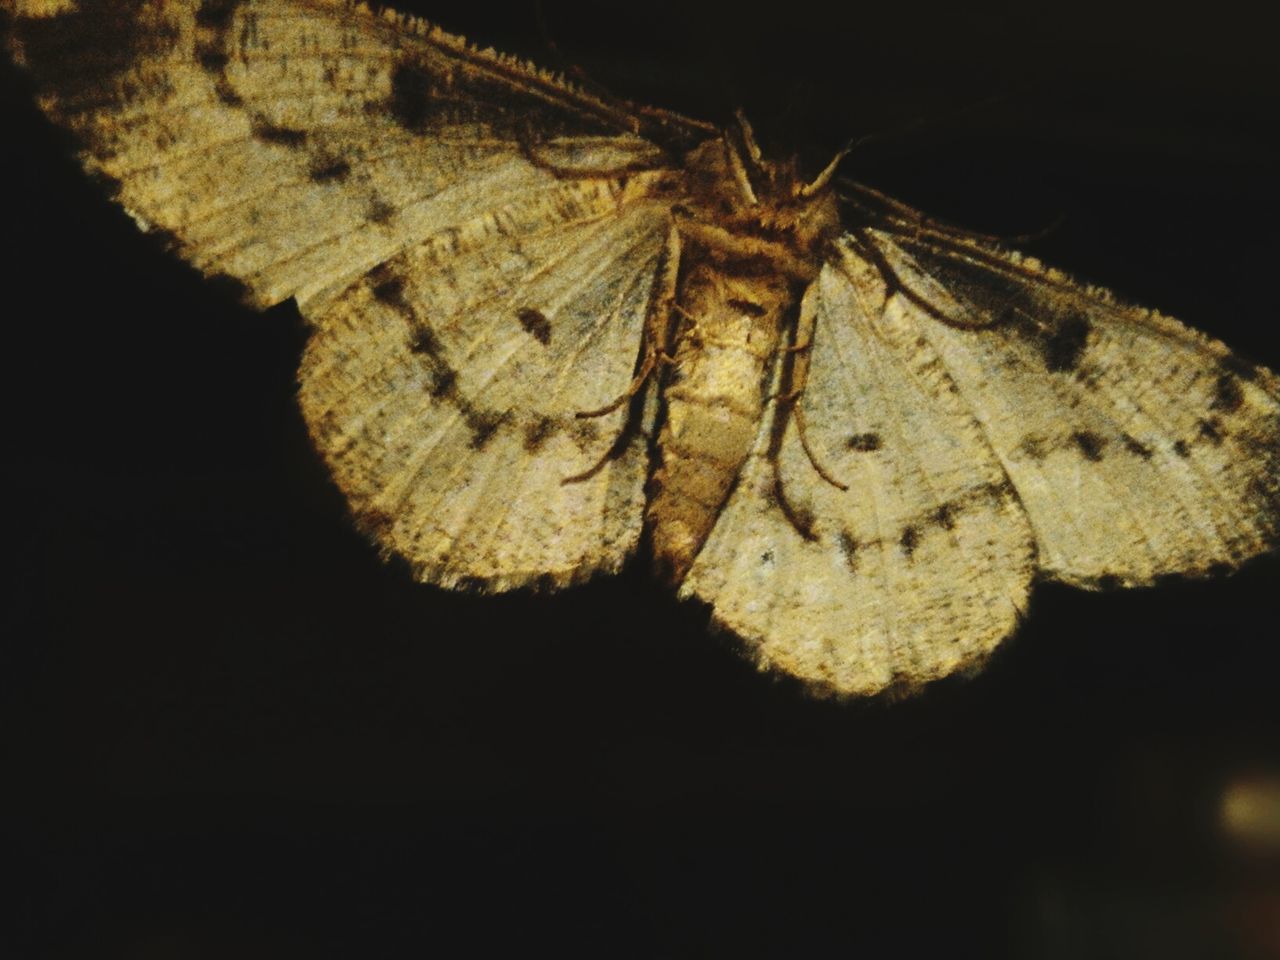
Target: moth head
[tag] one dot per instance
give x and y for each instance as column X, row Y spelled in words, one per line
column 737, row 184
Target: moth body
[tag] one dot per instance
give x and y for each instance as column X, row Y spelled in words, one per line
column 734, row 312
column 728, row 332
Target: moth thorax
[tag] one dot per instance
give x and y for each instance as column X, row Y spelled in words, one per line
column 729, row 331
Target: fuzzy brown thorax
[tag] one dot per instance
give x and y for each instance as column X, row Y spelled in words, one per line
column 751, row 239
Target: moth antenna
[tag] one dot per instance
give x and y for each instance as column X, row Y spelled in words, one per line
column 749, row 138
column 740, row 175
column 823, row 180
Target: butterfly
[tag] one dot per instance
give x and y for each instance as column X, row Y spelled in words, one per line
column 551, row 328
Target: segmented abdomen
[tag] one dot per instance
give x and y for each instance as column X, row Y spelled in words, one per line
column 728, row 334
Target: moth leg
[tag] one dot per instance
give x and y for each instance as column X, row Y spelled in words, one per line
column 909, row 216
column 657, row 330
column 789, row 402
column 647, row 366
column 895, row 284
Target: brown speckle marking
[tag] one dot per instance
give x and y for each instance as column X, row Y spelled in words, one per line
column 1239, row 367
column 585, row 434
column 849, row 547
column 281, row 136
column 535, row 324
column 538, row 432
column 213, row 61
column 864, row 442
column 226, row 93
column 329, row 170
column 1089, row 444
column 216, row 14
column 410, row 102
column 1181, row 449
column 1033, row 446
column 1136, row 447
column 944, row 516
column 1064, row 347
column 373, row 522
column 379, row 211
column 909, row 540
column 483, row 425
column 443, row 381
column 1211, row 430
column 424, row 342
column 389, row 290
column 1227, row 395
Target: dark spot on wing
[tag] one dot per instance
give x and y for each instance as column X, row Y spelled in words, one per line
column 389, row 289
column 909, row 540
column 864, row 442
column 213, row 61
column 538, row 432
column 423, row 341
column 226, row 93
column 849, row 547
column 216, row 14
column 379, row 211
column 1181, row 449
column 1227, row 395
column 1065, row 345
column 443, row 382
column 746, row 306
column 1089, row 443
column 535, row 324
column 1211, row 430
column 327, row 169
column 483, row 426
column 410, row 102
column 1136, row 447
column 586, row 433
column 282, row 136
column 944, row 516
column 1239, row 367
column 1034, row 447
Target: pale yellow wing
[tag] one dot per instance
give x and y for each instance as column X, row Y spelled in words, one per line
column 443, row 390
column 295, row 144
column 1139, row 447
column 470, row 237
column 923, row 564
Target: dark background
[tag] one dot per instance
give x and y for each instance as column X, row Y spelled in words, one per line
column 229, row 729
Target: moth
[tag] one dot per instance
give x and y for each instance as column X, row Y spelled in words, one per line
column 551, row 328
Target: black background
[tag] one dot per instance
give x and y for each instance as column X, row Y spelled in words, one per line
column 229, row 729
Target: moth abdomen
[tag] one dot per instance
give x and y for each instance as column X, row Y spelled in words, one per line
column 730, row 332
